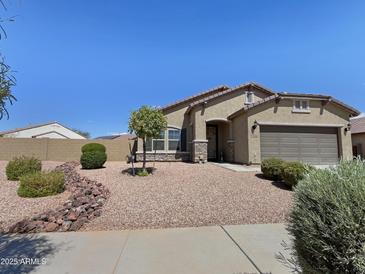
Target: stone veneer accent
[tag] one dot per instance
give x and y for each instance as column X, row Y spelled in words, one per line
column 200, row 151
column 164, row 156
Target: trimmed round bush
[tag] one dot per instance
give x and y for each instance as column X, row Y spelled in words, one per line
column 328, row 220
column 41, row 184
column 93, row 159
column 20, row 166
column 93, row 147
column 271, row 168
column 293, row 172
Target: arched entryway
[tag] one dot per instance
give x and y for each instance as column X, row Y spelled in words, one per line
column 218, row 133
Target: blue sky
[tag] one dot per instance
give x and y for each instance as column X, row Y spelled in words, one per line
column 87, row 64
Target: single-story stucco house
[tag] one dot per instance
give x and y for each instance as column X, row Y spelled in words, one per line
column 248, row 123
column 358, row 136
column 52, row 130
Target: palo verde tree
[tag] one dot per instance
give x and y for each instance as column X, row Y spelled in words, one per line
column 146, row 122
column 7, row 80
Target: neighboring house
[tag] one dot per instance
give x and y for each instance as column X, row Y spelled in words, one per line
column 248, row 123
column 358, row 136
column 52, row 130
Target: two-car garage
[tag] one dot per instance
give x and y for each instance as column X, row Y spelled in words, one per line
column 309, row 144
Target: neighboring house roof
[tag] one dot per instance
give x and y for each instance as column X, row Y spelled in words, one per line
column 35, row 126
column 279, row 95
column 358, row 125
column 115, row 136
column 25, row 128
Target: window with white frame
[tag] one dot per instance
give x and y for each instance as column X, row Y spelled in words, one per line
column 169, row 140
column 301, row 106
column 249, row 97
column 174, row 139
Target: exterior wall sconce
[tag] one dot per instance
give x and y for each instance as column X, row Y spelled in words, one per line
column 348, row 128
column 255, row 124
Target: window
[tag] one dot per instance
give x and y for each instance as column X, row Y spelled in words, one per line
column 301, row 106
column 159, row 142
column 174, row 139
column 249, row 97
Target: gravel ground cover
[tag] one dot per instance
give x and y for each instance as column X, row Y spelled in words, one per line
column 182, row 194
column 14, row 208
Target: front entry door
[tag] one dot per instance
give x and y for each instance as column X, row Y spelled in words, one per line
column 212, row 143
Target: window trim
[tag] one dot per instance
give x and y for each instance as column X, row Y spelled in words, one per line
column 168, row 139
column 301, row 109
column 246, row 97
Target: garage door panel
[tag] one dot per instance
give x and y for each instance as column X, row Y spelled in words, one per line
column 313, row 145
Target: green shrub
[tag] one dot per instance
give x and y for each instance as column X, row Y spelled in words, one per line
column 271, row 168
column 142, row 173
column 93, row 147
column 20, row 166
column 93, row 159
column 328, row 220
column 293, row 172
column 40, row 184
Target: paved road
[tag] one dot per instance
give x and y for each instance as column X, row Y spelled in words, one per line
column 240, row 249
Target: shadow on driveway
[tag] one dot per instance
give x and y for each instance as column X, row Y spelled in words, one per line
column 24, row 253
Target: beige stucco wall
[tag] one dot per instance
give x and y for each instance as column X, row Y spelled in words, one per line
column 240, row 137
column 359, row 138
column 282, row 113
column 195, row 120
column 60, row 149
column 219, row 108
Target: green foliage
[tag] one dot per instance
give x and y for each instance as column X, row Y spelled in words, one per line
column 82, row 133
column 93, row 147
column 20, row 166
column 271, row 168
column 328, row 220
column 40, row 184
column 7, row 81
column 142, row 173
column 293, row 172
column 147, row 122
column 93, row 159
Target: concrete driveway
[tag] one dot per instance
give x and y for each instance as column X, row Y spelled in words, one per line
column 215, row 249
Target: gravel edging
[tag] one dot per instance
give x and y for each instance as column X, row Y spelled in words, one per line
column 84, row 204
column 187, row 195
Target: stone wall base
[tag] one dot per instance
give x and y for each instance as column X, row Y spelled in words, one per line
column 200, row 151
column 164, row 157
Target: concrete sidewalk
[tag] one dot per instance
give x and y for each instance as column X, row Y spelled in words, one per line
column 215, row 249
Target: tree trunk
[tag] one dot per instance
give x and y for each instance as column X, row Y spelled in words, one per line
column 144, row 154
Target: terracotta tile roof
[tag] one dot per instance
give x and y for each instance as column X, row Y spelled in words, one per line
column 214, row 93
column 358, row 125
column 218, row 94
column 279, row 95
column 196, row 97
